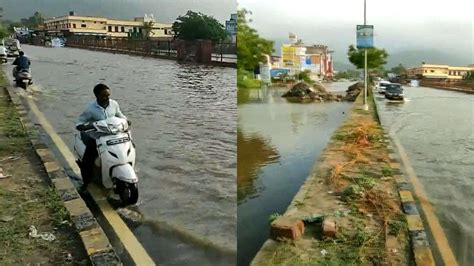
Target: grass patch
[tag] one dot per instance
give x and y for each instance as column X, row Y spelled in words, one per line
column 54, row 203
column 387, row 170
column 397, row 224
column 245, row 80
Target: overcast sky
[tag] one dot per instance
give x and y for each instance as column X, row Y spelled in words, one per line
column 398, row 25
column 163, row 10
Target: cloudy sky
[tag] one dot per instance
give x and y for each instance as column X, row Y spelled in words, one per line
column 400, row 26
column 163, row 10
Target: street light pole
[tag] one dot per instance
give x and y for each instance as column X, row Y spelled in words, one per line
column 366, row 107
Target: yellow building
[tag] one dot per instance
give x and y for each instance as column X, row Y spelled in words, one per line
column 88, row 25
column 439, row 71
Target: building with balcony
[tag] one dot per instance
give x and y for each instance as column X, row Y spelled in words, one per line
column 298, row 57
column 101, row 26
column 431, row 71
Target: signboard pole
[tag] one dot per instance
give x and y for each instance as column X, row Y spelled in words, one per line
column 366, row 107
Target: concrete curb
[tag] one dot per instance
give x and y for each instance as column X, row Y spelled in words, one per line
column 420, row 245
column 94, row 239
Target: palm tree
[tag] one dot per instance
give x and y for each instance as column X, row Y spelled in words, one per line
column 148, row 29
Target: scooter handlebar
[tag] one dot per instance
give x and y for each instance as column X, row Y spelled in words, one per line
column 85, row 127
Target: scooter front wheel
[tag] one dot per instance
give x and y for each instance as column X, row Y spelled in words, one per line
column 128, row 192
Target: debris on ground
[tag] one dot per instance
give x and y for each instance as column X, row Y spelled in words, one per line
column 329, row 228
column 353, row 91
column 10, row 158
column 2, row 176
column 6, row 218
column 44, row 236
column 316, row 92
column 324, row 252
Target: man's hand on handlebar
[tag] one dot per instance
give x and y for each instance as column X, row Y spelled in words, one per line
column 84, row 127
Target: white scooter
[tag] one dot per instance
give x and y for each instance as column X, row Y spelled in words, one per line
column 114, row 167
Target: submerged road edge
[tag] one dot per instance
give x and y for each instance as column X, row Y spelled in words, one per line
column 95, row 241
column 411, row 191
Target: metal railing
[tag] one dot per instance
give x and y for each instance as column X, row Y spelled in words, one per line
column 222, row 52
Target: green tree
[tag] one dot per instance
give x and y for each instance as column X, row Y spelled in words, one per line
column 376, row 58
column 148, row 29
column 305, row 76
column 3, row 32
column 13, row 25
column 399, row 70
column 250, row 46
column 193, row 26
column 34, row 21
column 348, row 74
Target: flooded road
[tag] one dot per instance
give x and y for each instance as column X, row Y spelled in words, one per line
column 436, row 128
column 278, row 144
column 184, row 126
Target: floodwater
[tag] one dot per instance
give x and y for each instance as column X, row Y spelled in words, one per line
column 184, row 126
column 436, row 128
column 277, row 145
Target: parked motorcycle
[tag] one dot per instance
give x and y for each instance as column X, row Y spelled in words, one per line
column 114, row 167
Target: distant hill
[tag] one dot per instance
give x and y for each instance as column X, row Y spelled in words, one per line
column 412, row 58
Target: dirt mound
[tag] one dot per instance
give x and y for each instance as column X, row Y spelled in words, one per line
column 353, row 91
column 317, row 92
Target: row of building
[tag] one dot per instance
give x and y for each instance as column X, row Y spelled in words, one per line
column 73, row 24
column 297, row 57
column 445, row 72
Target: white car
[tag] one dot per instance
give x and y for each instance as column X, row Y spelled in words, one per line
column 382, row 86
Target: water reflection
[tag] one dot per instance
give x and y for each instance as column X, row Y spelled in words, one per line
column 253, row 152
column 278, row 143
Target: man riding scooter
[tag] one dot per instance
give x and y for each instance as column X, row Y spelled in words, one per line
column 22, row 63
column 100, row 109
column 21, row 72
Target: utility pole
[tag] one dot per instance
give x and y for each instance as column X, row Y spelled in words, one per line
column 366, row 106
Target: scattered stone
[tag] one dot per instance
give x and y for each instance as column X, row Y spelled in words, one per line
column 386, row 178
column 324, row 252
column 130, row 216
column 329, row 228
column 286, row 227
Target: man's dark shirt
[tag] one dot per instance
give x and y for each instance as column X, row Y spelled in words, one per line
column 22, row 62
